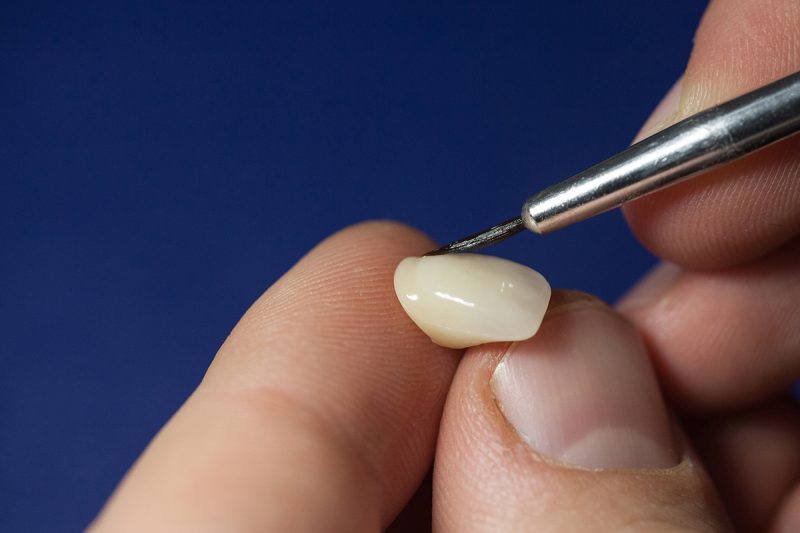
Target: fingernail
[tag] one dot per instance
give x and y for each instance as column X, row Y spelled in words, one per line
column 651, row 288
column 665, row 114
column 582, row 391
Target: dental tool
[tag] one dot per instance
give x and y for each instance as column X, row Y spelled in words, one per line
column 706, row 140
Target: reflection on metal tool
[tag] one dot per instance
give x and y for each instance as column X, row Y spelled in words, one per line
column 703, row 141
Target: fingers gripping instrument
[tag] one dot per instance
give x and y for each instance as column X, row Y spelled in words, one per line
column 687, row 149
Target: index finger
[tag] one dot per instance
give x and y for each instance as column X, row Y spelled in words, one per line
column 320, row 411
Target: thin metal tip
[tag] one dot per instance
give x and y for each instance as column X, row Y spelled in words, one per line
column 492, row 235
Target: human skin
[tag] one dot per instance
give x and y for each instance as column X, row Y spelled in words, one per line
column 325, row 408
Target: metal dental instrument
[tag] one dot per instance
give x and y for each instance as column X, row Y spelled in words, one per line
column 701, row 142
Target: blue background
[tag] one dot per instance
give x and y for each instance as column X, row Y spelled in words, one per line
column 163, row 163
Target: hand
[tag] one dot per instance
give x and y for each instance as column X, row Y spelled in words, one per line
column 321, row 411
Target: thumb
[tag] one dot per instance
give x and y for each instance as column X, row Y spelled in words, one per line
column 567, row 432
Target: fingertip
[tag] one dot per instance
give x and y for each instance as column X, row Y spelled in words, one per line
column 725, row 217
column 721, row 340
column 583, row 392
column 566, row 431
column 344, row 283
column 742, row 210
column 386, row 238
column 324, row 402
